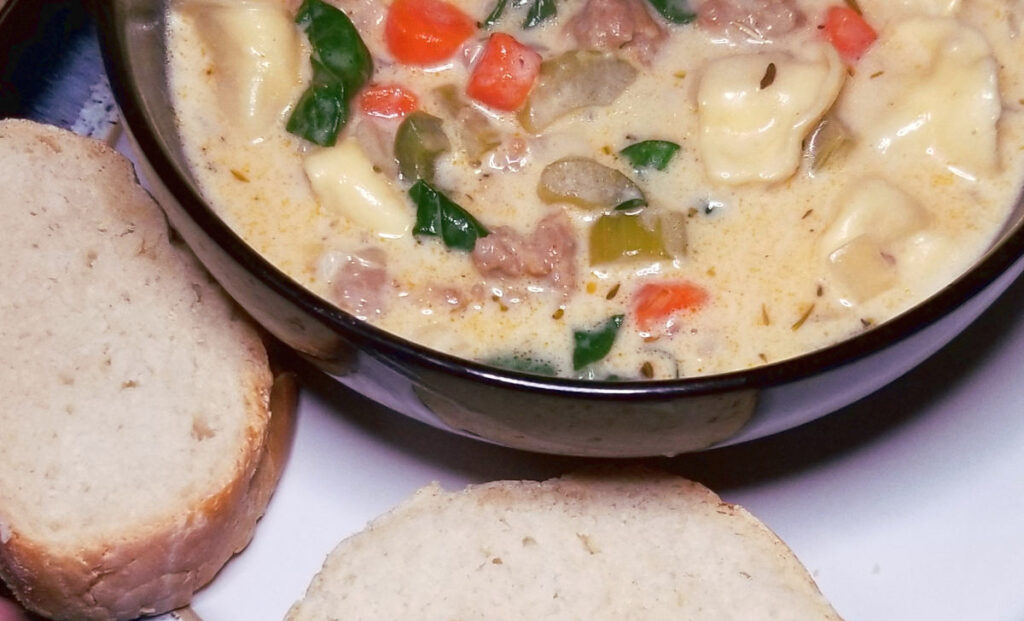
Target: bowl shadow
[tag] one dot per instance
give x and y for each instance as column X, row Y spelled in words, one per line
column 752, row 463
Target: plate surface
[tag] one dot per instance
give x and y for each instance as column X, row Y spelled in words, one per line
column 906, row 505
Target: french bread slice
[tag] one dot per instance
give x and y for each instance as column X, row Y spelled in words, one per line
column 137, row 446
column 616, row 546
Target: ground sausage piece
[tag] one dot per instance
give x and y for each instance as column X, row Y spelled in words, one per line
column 548, row 253
column 360, row 283
column 614, row 24
column 499, row 253
column 755, row 20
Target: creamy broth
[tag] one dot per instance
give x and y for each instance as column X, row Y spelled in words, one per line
column 787, row 253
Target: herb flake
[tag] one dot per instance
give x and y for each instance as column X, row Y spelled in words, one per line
column 769, row 76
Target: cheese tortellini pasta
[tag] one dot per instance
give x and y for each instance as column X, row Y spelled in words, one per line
column 862, row 243
column 929, row 90
column 886, row 11
column 256, row 59
column 344, row 180
column 755, row 110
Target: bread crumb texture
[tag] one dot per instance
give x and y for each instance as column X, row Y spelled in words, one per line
column 135, row 397
column 627, row 546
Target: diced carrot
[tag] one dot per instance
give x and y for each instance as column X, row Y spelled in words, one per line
column 426, row 32
column 387, row 101
column 659, row 303
column 848, row 32
column 504, row 75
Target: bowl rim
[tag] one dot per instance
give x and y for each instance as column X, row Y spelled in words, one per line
column 994, row 262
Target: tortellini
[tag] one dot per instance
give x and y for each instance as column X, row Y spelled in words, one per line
column 256, row 52
column 878, row 11
column 344, row 180
column 864, row 245
column 929, row 88
column 755, row 110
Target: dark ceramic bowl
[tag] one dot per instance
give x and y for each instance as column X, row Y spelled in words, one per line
column 523, row 411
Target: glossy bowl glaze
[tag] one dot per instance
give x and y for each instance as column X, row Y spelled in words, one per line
column 551, row 415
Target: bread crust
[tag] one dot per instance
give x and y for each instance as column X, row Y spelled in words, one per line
column 622, row 544
column 159, row 569
column 155, row 566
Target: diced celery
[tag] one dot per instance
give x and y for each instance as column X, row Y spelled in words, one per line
column 418, row 143
column 637, row 236
column 825, row 141
column 586, row 183
column 575, row 80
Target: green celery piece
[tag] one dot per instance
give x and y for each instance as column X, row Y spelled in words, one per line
column 572, row 80
column 439, row 216
column 418, row 143
column 675, row 11
column 650, row 154
column 587, row 183
column 593, row 345
column 622, row 236
column 539, row 12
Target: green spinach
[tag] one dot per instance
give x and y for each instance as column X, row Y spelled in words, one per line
column 539, row 12
column 675, row 11
column 439, row 216
column 523, row 364
column 341, row 66
column 650, row 154
column 495, row 15
column 593, row 345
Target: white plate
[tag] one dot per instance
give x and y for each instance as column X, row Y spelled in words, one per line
column 907, row 505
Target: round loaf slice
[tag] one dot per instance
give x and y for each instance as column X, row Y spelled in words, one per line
column 137, row 448
column 634, row 545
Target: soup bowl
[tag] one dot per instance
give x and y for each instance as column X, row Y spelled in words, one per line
column 544, row 414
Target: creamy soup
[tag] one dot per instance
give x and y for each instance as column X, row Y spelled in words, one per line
column 608, row 188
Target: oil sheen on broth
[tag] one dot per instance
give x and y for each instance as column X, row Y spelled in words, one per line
column 654, row 199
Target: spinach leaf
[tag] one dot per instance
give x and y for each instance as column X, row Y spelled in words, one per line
column 336, row 43
column 593, row 345
column 633, row 203
column 650, row 154
column 495, row 14
column 523, row 364
column 319, row 112
column 341, row 66
column 675, row 11
column 439, row 216
column 539, row 11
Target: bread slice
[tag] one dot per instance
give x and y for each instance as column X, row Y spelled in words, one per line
column 628, row 545
column 137, row 448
